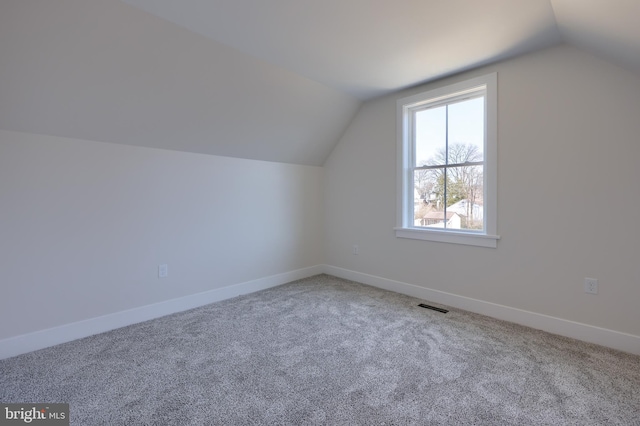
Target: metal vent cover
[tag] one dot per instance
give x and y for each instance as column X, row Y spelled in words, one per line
column 433, row 308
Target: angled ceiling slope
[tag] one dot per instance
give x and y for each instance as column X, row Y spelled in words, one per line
column 606, row 28
column 368, row 47
column 275, row 80
column 105, row 71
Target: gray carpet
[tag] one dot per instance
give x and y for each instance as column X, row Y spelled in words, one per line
column 328, row 351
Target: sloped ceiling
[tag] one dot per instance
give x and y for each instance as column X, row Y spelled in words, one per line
column 275, row 80
column 106, row 71
column 607, row 28
column 368, row 47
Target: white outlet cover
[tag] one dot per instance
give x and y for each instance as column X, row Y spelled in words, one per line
column 591, row 285
column 163, row 270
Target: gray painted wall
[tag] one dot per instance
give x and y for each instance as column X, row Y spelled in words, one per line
column 84, row 226
column 568, row 146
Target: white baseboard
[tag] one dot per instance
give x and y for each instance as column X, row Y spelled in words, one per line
column 17, row 345
column 588, row 333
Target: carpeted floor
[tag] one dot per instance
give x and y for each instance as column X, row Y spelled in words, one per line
column 328, row 351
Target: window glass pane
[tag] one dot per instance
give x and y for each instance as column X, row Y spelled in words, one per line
column 465, row 203
column 466, row 131
column 427, row 196
column 430, row 136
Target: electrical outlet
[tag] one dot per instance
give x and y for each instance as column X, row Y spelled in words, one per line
column 591, row 285
column 356, row 249
column 163, row 270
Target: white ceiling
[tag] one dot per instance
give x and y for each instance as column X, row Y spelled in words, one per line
column 368, row 47
column 607, row 28
column 275, row 80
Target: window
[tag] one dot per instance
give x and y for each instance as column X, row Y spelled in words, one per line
column 447, row 152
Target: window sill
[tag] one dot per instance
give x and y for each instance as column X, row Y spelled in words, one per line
column 453, row 237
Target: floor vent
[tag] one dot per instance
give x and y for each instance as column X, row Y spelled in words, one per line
column 433, row 308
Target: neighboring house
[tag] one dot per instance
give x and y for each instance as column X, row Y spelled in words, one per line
column 436, row 219
column 466, row 209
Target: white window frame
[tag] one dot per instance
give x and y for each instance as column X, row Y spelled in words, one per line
column 405, row 227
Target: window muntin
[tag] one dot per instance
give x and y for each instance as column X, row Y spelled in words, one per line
column 447, row 149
